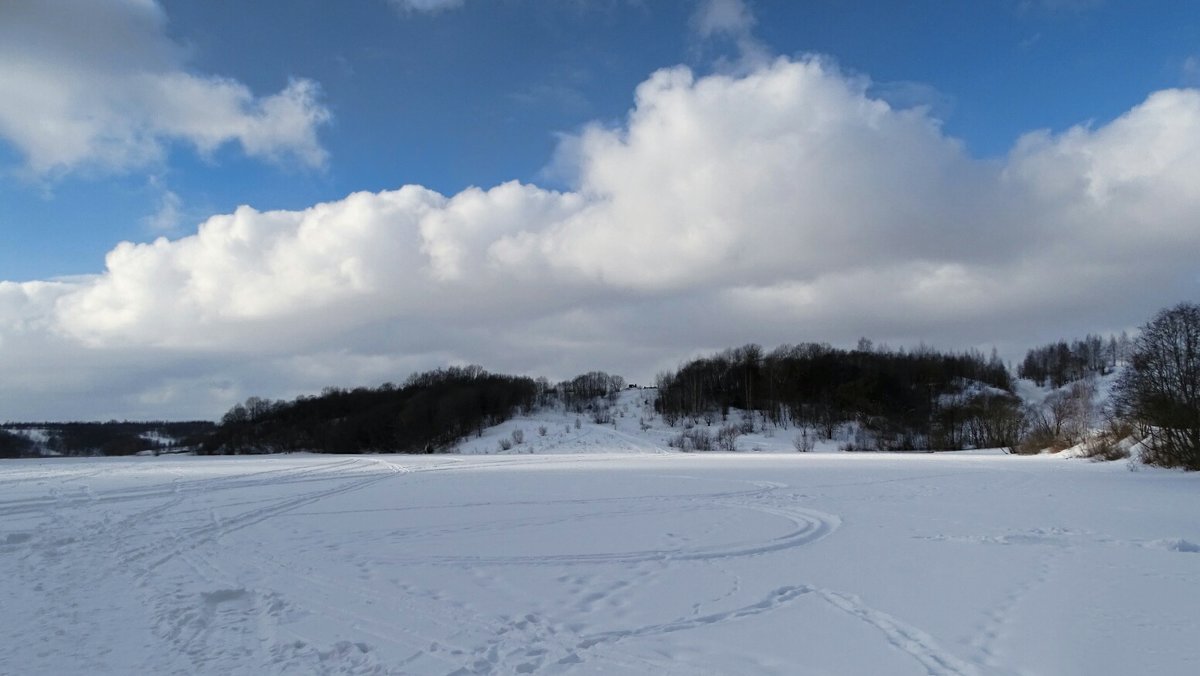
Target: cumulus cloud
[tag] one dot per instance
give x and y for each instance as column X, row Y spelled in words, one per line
column 97, row 85
column 783, row 204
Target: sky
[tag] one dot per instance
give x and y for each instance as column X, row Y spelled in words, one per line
column 204, row 200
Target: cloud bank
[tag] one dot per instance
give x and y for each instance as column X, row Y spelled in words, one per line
column 783, row 204
column 98, row 86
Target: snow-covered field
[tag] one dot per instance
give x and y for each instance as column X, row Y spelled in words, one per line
column 614, row 563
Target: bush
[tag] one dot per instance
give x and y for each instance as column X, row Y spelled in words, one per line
column 696, row 439
column 518, row 436
column 727, row 438
column 1039, row 438
column 804, row 442
column 1104, row 447
column 505, row 445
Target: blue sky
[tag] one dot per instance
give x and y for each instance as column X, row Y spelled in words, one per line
column 950, row 153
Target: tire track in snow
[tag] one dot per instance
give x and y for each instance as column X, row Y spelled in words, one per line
column 531, row 644
column 810, row 526
column 184, row 540
column 329, row 597
column 776, row 599
column 158, row 490
column 213, row 621
column 917, row 643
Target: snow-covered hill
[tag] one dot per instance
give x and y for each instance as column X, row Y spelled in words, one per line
column 633, row 427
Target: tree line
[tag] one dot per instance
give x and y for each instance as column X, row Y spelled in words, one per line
column 1060, row 363
column 430, row 412
column 900, row 400
column 102, row 438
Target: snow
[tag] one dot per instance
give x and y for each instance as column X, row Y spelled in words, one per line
column 635, row 428
column 37, row 435
column 632, row 561
column 40, row 437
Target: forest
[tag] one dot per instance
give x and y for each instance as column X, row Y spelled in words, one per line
column 428, row 413
column 902, row 400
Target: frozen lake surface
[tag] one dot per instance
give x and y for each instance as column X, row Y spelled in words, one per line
column 598, row 563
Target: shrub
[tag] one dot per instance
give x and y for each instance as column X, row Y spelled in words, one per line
column 1102, row 447
column 727, row 438
column 1040, row 437
column 696, row 439
column 804, row 442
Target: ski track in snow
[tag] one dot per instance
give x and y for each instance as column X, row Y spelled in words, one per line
column 322, row 565
column 129, row 560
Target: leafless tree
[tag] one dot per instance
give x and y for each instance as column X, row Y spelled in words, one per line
column 1160, row 390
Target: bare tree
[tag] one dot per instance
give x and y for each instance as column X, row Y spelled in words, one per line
column 1160, row 390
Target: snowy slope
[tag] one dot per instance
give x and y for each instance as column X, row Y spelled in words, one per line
column 40, row 437
column 616, row 563
column 562, row 435
column 635, row 428
column 1099, row 392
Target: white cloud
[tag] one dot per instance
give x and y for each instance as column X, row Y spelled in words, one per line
column 426, row 5
column 1189, row 70
column 732, row 20
column 910, row 94
column 168, row 217
column 97, row 85
column 780, row 205
column 724, row 17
